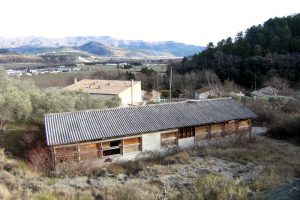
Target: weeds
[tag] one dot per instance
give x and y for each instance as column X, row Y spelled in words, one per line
column 45, row 195
column 10, row 181
column 268, row 179
column 51, row 181
column 116, row 169
column 218, row 187
column 4, row 192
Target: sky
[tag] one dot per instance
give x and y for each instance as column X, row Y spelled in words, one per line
column 195, row 22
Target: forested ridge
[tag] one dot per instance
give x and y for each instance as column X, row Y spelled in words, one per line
column 252, row 57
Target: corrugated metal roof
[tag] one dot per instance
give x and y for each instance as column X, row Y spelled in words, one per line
column 72, row 127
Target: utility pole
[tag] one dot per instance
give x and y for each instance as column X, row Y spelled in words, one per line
column 170, row 92
column 255, row 81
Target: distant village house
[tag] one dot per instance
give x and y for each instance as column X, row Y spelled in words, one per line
column 265, row 92
column 152, row 96
column 206, row 91
column 129, row 92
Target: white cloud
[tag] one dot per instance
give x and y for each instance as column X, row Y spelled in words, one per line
column 189, row 21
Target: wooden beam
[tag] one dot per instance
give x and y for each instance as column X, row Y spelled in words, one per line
column 223, row 129
column 78, row 152
column 250, row 128
column 100, row 150
column 122, row 148
column 53, row 153
column 209, row 131
column 177, row 135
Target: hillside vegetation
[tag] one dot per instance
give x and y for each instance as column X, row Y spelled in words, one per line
column 252, row 57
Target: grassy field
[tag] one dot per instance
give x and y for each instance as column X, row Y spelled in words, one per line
column 157, row 68
column 67, row 78
column 57, row 80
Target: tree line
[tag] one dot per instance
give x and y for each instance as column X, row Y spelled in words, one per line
column 253, row 57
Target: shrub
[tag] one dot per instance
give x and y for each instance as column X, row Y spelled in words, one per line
column 268, row 179
column 286, row 130
column 85, row 195
column 293, row 106
column 22, row 166
column 133, row 167
column 45, row 195
column 51, row 181
column 181, row 157
column 40, row 158
column 116, row 169
column 218, row 187
column 72, row 169
column 9, row 180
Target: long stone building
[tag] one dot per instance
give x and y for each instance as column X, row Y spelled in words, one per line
column 123, row 133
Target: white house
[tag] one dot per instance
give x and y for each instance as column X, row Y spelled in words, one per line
column 205, row 91
column 128, row 91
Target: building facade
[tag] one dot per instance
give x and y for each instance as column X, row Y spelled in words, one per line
column 124, row 133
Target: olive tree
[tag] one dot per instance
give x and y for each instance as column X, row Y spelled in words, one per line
column 15, row 106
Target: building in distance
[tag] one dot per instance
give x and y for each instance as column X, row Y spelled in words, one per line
column 129, row 92
column 205, row 91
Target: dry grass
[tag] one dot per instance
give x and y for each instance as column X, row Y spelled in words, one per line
column 280, row 161
column 4, row 192
column 218, row 187
column 61, row 195
column 92, row 169
column 116, row 169
column 44, row 195
column 268, row 179
column 181, row 157
column 56, row 80
column 259, row 151
column 10, row 181
column 133, row 191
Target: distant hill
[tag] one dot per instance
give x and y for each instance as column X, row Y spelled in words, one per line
column 94, row 44
column 96, row 48
column 101, row 49
column 178, row 49
column 6, row 52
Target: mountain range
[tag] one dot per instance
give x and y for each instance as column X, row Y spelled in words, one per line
column 100, row 46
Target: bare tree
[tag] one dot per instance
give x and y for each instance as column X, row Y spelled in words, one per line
column 231, row 86
column 281, row 84
column 209, row 77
